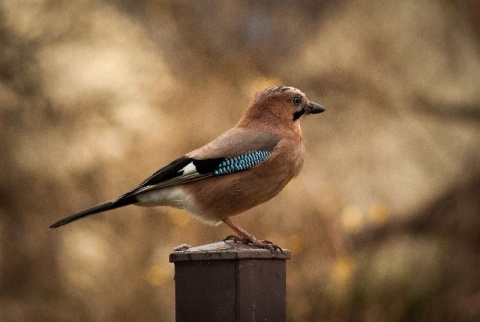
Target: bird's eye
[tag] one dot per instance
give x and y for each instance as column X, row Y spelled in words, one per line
column 296, row 100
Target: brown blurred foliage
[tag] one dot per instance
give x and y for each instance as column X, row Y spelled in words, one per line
column 383, row 222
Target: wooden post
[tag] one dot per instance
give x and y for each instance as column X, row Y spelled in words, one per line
column 229, row 281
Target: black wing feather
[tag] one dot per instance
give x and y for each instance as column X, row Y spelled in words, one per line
column 170, row 175
column 174, row 174
column 109, row 205
column 170, row 171
column 207, row 166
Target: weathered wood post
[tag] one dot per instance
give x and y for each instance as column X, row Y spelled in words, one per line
column 229, row 281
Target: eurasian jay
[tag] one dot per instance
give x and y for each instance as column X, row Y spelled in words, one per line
column 242, row 168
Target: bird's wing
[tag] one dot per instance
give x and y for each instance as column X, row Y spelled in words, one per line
column 235, row 150
column 236, row 141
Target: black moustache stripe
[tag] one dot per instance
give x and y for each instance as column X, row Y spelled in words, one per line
column 298, row 114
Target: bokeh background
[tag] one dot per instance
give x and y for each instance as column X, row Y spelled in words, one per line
column 383, row 222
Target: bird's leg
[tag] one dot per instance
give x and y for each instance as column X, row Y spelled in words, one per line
column 247, row 238
column 240, row 231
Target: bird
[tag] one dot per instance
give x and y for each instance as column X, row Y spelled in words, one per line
column 240, row 169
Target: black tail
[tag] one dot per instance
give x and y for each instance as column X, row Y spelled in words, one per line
column 109, row 205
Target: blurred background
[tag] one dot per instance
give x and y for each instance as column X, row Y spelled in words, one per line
column 383, row 222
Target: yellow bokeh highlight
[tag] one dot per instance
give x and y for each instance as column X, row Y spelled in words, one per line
column 295, row 243
column 352, row 219
column 343, row 269
column 158, row 275
column 378, row 213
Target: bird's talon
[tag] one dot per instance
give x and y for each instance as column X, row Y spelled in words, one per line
column 266, row 244
column 272, row 246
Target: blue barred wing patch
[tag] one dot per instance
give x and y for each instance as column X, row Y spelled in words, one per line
column 186, row 170
column 241, row 162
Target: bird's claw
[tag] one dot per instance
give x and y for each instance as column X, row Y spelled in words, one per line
column 264, row 244
column 271, row 246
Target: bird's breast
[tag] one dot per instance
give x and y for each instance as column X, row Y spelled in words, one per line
column 219, row 197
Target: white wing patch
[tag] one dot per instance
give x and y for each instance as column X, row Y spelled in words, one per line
column 189, row 169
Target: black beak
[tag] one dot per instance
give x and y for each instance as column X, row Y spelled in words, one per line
column 314, row 108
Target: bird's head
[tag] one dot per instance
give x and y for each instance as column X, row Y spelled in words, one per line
column 279, row 105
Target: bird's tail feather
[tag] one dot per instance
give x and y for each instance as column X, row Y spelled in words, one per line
column 109, row 205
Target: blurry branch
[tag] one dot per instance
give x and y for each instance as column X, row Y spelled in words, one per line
column 454, row 215
column 360, row 84
column 453, row 111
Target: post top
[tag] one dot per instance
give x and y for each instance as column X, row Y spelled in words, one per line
column 225, row 250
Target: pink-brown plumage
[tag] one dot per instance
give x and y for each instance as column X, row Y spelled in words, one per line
column 267, row 140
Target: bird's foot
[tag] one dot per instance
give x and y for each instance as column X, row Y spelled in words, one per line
column 268, row 245
column 265, row 244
